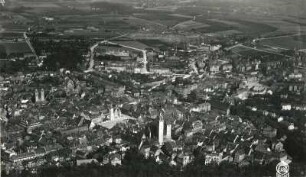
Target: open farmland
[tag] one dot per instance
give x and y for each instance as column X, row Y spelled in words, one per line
column 164, row 18
column 190, row 25
column 224, row 33
column 79, row 19
column 248, row 51
column 235, row 26
column 213, row 26
column 98, row 21
column 155, row 43
column 150, row 25
column 14, row 23
column 10, row 35
column 91, row 25
column 254, row 28
column 35, row 7
column 287, row 42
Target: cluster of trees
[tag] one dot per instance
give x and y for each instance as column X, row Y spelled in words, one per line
column 11, row 67
column 64, row 57
column 61, row 53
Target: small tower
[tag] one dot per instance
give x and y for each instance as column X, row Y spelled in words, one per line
column 111, row 113
column 145, row 62
column 161, row 130
column 42, row 95
column 228, row 111
column 143, row 138
column 36, row 96
column 168, row 135
column 117, row 113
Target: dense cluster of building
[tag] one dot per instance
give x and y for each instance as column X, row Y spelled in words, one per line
column 172, row 115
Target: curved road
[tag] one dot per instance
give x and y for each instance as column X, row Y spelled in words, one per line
column 92, row 49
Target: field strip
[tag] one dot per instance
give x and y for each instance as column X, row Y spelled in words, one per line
column 276, row 37
column 263, row 51
column 147, row 21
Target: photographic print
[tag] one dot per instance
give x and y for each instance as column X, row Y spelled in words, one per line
column 153, row 88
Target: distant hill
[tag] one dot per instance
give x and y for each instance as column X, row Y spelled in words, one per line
column 290, row 7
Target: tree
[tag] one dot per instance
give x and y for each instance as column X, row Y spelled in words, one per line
column 64, row 57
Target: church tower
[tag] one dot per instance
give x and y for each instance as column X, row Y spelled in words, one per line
column 168, row 135
column 161, row 130
column 36, row 96
column 111, row 113
column 42, row 95
column 117, row 113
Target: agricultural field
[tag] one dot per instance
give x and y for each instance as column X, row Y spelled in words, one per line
column 97, row 21
column 213, row 26
column 247, row 51
column 10, row 35
column 163, row 18
column 155, row 43
column 254, row 28
column 13, row 23
column 150, row 25
column 190, row 25
column 234, row 26
column 224, row 33
column 78, row 19
column 288, row 42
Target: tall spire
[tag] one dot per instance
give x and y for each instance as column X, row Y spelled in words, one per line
column 145, row 62
column 168, row 135
column 161, row 130
column 36, row 96
column 42, row 95
column 161, row 116
column 111, row 113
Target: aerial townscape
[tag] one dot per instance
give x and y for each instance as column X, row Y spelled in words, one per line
column 152, row 88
